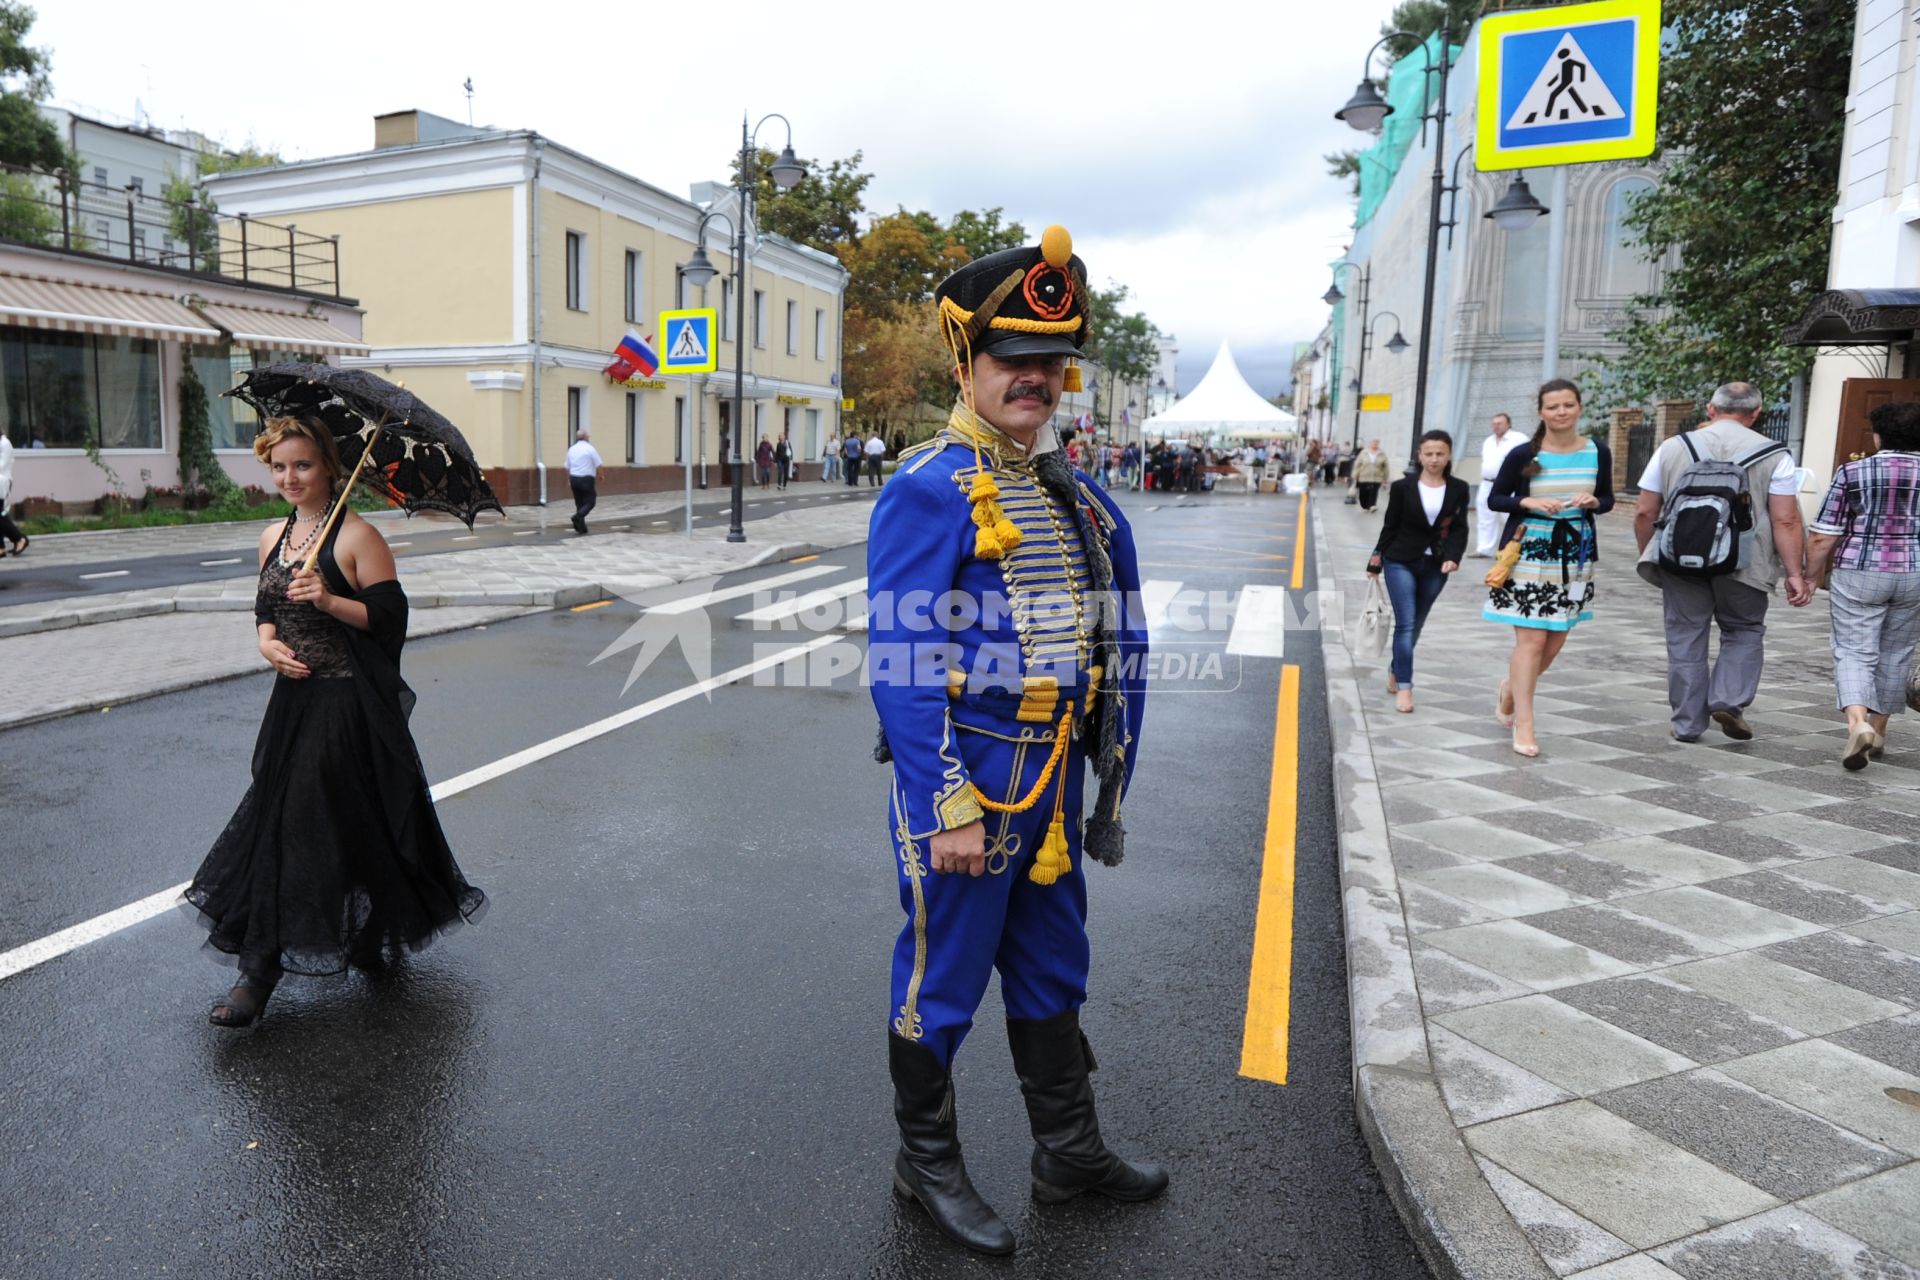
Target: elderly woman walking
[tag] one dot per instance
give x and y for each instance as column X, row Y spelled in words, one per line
column 1869, row 529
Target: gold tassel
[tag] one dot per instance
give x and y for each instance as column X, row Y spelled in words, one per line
column 997, row 535
column 1052, row 862
column 1071, row 381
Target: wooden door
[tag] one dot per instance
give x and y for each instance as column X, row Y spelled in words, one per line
column 1858, row 398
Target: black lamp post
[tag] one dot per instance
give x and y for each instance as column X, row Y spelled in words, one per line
column 1364, row 111
column 1396, row 344
column 786, row 170
column 1516, row 211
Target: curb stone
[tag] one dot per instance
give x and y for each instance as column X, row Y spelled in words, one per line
column 1458, row 1223
column 556, row 598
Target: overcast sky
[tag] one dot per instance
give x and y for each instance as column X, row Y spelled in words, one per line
column 1180, row 143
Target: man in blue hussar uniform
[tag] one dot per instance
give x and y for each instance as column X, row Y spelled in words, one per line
column 1005, row 656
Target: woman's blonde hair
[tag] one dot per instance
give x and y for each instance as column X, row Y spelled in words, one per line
column 278, row 431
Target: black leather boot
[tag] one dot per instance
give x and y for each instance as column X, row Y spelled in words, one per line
column 929, row 1168
column 1053, row 1058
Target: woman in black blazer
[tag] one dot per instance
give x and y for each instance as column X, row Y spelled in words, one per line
column 1421, row 541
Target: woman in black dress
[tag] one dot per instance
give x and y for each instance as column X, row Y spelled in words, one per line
column 335, row 856
column 1421, row 542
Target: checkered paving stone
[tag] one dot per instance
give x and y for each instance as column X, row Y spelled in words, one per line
column 1668, row 985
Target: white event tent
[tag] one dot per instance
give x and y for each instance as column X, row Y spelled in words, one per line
column 1223, row 406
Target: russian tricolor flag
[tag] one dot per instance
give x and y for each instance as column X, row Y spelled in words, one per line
column 633, row 356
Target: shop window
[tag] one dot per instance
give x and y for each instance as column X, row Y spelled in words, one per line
column 64, row 390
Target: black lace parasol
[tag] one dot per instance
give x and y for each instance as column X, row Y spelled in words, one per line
column 419, row 460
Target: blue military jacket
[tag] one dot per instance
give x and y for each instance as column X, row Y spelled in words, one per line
column 999, row 645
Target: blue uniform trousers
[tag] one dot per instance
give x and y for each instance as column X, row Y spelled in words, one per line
column 960, row 928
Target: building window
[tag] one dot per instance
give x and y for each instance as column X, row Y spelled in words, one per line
column 138, row 185
column 1625, row 271
column 66, row 390
column 760, row 318
column 219, row 367
column 103, row 229
column 576, row 271
column 793, row 327
column 727, row 326
column 819, row 333
column 576, row 412
column 636, row 443
column 100, row 175
column 679, row 429
column 140, row 243
column 633, row 285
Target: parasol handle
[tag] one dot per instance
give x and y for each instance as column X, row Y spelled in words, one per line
column 340, row 506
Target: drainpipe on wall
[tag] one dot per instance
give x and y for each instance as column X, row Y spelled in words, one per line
column 534, row 305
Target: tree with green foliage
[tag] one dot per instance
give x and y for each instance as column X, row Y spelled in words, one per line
column 250, row 155
column 1752, row 115
column 981, row 233
column 821, row 211
column 27, row 213
column 27, row 138
column 197, row 458
column 193, row 219
column 1125, row 346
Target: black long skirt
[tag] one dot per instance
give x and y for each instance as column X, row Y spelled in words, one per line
column 325, row 864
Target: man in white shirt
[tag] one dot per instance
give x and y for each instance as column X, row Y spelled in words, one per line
column 583, row 473
column 1736, row 601
column 1493, row 451
column 876, row 450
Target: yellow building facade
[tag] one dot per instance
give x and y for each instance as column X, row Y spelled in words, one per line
column 499, row 270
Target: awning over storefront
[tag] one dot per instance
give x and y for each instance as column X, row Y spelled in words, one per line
column 67, row 305
column 281, row 330
column 1857, row 318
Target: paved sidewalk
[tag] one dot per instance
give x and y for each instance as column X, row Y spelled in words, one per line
column 140, row 643
column 1667, row 992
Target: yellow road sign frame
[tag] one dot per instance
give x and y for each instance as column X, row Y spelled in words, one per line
column 1489, row 156
column 712, row 316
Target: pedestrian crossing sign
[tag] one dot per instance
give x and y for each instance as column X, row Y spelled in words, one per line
column 689, row 345
column 1568, row 85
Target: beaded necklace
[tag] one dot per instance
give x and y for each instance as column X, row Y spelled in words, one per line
column 319, row 523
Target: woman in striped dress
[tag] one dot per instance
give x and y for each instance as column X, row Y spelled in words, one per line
column 1551, row 489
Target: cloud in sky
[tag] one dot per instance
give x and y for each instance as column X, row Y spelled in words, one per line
column 1181, row 144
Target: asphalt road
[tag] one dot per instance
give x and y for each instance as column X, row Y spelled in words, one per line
column 31, row 581
column 661, row 1052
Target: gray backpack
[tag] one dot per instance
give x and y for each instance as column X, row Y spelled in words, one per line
column 1707, row 508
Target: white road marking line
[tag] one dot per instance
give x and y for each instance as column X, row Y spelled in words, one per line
column 660, row 522
column 616, row 528
column 800, row 604
column 688, row 604
column 1156, row 595
column 109, row 573
column 399, row 544
column 208, row 564
column 524, row 533
column 1259, row 623
column 467, row 537
column 41, row 950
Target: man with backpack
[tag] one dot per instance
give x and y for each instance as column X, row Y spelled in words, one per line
column 1718, row 522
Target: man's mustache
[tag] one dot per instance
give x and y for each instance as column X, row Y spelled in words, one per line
column 1033, row 391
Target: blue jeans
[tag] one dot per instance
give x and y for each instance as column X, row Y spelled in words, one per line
column 1412, row 587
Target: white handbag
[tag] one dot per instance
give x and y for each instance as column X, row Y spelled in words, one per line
column 1376, row 619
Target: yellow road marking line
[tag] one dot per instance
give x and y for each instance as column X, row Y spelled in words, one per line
column 1299, row 544
column 596, row 604
column 803, row 559
column 1263, row 1042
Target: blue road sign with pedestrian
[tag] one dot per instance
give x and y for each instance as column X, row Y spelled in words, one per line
column 689, row 345
column 1568, row 85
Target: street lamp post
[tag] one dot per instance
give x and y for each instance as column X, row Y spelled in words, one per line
column 1396, row 344
column 785, row 171
column 1364, row 111
column 1332, row 297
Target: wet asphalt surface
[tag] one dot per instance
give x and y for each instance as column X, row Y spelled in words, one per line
column 660, row 1053
column 27, row 581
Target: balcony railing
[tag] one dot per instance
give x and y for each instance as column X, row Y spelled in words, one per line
column 62, row 211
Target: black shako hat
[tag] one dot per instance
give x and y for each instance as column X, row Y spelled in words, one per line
column 1028, row 301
